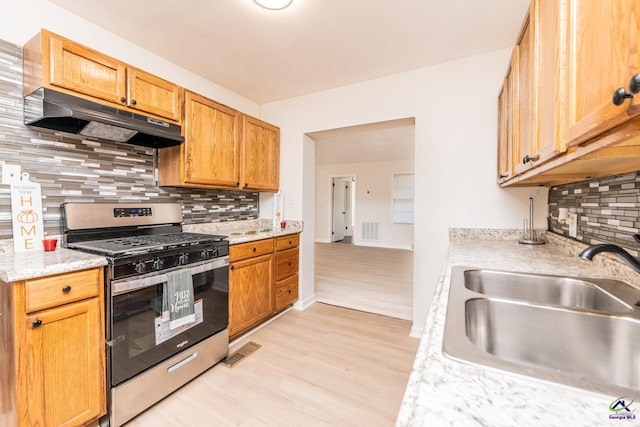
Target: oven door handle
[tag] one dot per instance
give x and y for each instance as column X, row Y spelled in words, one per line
column 153, row 279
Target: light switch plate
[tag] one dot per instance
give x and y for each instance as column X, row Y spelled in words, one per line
column 10, row 174
column 573, row 224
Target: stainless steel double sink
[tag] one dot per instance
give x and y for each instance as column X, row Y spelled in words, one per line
column 575, row 331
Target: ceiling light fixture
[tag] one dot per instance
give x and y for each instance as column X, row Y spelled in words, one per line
column 273, row 4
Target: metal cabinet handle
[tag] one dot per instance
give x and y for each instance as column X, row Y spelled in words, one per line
column 526, row 159
column 36, row 323
column 620, row 95
column 133, row 102
column 634, row 84
column 66, row 289
column 123, row 99
column 502, row 175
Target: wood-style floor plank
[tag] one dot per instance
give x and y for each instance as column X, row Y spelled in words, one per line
column 325, row 366
column 375, row 280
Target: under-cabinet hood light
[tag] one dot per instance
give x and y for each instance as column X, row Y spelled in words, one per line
column 273, row 4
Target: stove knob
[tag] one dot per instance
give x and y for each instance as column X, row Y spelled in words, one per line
column 204, row 254
column 158, row 264
column 140, row 267
column 184, row 258
column 214, row 252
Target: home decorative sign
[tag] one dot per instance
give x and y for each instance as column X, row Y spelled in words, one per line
column 26, row 215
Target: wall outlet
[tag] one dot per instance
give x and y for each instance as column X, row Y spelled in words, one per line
column 573, row 224
column 10, row 174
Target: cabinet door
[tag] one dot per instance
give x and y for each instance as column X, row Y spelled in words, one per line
column 603, row 56
column 549, row 24
column 250, row 292
column 524, row 116
column 77, row 68
column 260, row 155
column 505, row 131
column 153, row 95
column 211, row 144
column 62, row 367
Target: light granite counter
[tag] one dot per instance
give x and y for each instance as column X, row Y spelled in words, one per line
column 245, row 231
column 32, row 264
column 446, row 392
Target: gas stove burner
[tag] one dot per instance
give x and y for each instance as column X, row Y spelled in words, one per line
column 145, row 243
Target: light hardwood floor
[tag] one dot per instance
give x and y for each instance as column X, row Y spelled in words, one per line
column 375, row 280
column 325, row 366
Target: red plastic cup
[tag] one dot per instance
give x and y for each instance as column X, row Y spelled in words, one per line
column 49, row 244
column 283, row 224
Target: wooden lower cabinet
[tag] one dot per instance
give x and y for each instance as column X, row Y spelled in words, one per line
column 54, row 370
column 262, row 281
column 250, row 292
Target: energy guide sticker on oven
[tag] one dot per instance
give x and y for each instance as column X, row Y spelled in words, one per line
column 163, row 330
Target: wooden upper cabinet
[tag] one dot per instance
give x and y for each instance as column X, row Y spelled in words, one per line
column 505, row 130
column 550, row 55
column 524, row 116
column 603, row 56
column 79, row 69
column 209, row 156
column 61, row 64
column 153, row 95
column 211, row 142
column 260, row 142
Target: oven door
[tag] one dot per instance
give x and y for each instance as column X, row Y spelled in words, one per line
column 141, row 335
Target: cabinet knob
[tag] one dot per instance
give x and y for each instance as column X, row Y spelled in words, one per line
column 634, row 84
column 36, row 323
column 289, row 290
column 238, row 183
column 620, row 95
column 133, row 102
column 66, row 289
column 290, row 242
column 232, row 267
column 502, row 175
column 123, row 99
column 246, row 184
column 526, row 159
column 253, row 249
column 289, row 263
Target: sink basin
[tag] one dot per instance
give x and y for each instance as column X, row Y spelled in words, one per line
column 575, row 331
column 545, row 289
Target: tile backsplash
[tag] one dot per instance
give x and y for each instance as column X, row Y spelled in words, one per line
column 76, row 169
column 608, row 210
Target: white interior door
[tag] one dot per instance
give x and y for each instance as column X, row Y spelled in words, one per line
column 339, row 210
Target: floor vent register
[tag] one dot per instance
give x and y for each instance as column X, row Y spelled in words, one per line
column 242, row 353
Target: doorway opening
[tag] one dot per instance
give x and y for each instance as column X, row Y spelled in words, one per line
column 356, row 202
column 343, row 205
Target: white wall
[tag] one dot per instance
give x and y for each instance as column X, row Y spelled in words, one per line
column 454, row 105
column 374, row 198
column 22, row 19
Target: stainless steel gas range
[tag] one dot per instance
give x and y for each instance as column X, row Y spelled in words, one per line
column 166, row 298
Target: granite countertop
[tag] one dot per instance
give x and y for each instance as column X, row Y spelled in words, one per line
column 245, row 231
column 32, row 264
column 442, row 391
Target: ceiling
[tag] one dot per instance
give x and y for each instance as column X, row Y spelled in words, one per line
column 377, row 142
column 311, row 46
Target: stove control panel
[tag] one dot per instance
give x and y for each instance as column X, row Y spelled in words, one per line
column 131, row 212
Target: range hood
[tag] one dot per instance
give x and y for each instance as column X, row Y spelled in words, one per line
column 46, row 108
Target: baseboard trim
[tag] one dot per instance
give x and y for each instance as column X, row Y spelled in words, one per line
column 416, row 332
column 302, row 305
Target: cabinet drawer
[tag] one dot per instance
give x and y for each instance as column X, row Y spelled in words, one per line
column 286, row 263
column 287, row 242
column 61, row 289
column 250, row 249
column 286, row 292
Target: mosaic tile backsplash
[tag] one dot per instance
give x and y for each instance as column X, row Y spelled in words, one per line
column 608, row 210
column 75, row 169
